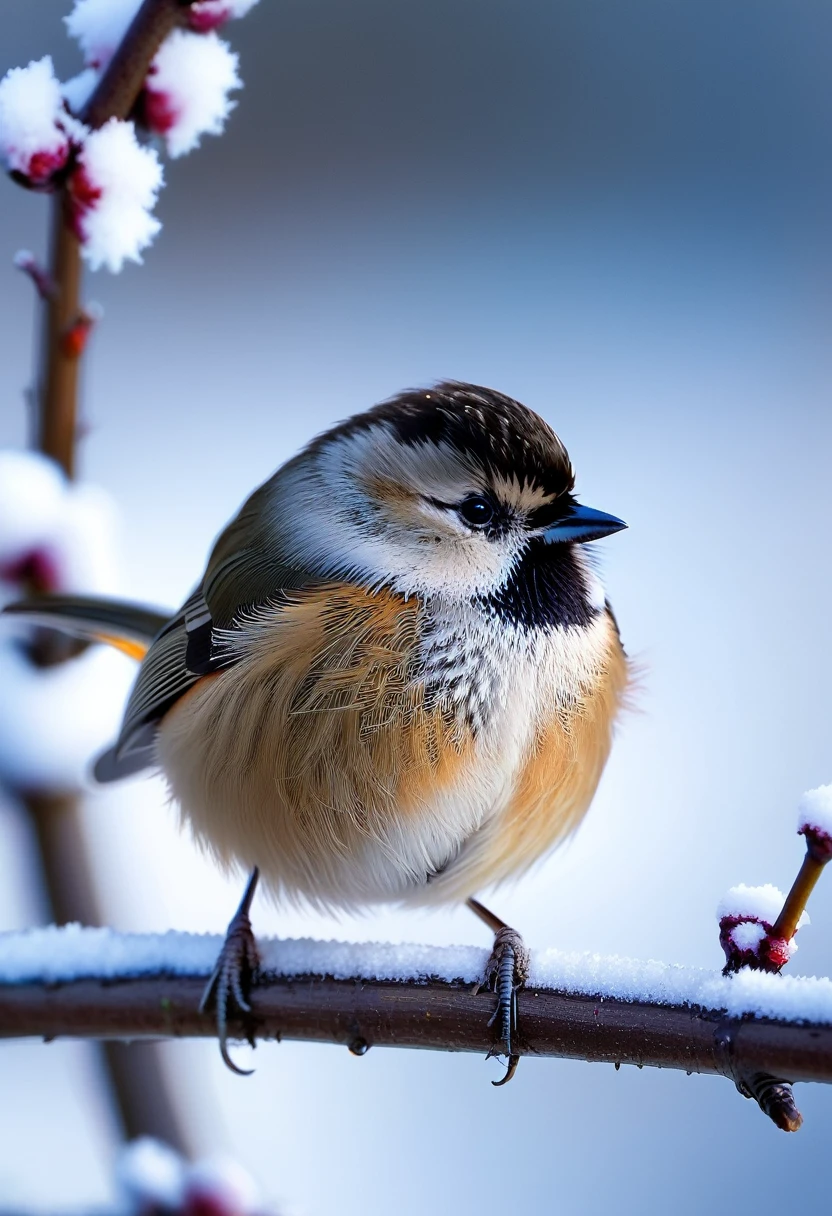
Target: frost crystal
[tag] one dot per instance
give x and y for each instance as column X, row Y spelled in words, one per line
column 98, row 26
column 112, row 193
column 33, row 141
column 186, row 93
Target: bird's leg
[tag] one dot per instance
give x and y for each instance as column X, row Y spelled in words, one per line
column 236, row 968
column 505, row 972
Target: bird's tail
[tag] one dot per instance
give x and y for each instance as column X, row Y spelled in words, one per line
column 130, row 628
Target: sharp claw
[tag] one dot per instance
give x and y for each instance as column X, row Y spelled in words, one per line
column 209, row 990
column 237, row 990
column 229, row 1063
column 505, row 973
column 513, row 1061
column 237, row 963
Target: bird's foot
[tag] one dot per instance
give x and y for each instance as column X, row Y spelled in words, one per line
column 234, row 973
column 506, row 972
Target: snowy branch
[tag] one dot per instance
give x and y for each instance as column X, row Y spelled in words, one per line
column 113, row 97
column 94, row 983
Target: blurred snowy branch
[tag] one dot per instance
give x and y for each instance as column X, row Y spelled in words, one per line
column 153, row 1180
column 152, row 69
column 54, row 536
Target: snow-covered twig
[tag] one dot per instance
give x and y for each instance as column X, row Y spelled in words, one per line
column 94, row 983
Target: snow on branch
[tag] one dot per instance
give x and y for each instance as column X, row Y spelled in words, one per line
column 158, row 66
column 95, row 983
column 55, row 536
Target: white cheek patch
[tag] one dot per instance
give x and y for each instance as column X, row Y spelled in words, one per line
column 327, row 520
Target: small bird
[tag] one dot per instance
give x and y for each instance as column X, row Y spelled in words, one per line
column 396, row 680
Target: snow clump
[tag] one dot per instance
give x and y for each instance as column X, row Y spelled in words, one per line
column 814, row 821
column 747, row 916
column 187, row 88
column 98, row 26
column 211, row 14
column 154, row 1178
column 34, row 125
column 112, row 193
column 55, row 536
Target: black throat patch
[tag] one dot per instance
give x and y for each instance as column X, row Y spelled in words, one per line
column 546, row 588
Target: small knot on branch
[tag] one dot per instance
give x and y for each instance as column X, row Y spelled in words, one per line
column 44, row 283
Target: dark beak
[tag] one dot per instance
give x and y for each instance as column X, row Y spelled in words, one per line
column 583, row 524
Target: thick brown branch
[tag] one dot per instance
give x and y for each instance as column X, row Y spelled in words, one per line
column 440, row 1015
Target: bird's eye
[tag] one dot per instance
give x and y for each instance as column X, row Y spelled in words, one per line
column 477, row 511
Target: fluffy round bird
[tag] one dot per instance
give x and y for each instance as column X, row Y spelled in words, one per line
column 396, row 680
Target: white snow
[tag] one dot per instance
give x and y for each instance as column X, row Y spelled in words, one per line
column 78, row 90
column 747, row 935
column 53, row 720
column 99, row 26
column 118, row 225
column 815, row 810
column 75, row 524
column 187, row 89
column 32, row 141
column 223, row 1184
column 150, row 1174
column 755, row 903
column 208, row 14
column 234, row 8
column 52, row 955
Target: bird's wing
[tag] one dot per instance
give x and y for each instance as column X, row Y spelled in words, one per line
column 246, row 570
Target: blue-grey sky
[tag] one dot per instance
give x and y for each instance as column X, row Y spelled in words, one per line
column 618, row 214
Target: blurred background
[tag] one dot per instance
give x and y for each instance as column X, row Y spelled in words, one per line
column 619, row 214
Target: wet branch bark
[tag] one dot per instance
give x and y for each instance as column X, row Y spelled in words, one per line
column 437, row 1015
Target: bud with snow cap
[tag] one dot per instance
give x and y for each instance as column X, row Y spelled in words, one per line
column 220, row 1187
column 186, row 91
column 111, row 194
column 814, row 821
column 208, row 15
column 156, row 1181
column 747, row 920
column 36, row 130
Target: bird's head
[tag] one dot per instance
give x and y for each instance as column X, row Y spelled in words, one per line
column 444, row 492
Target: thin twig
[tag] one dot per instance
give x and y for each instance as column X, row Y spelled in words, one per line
column 818, row 855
